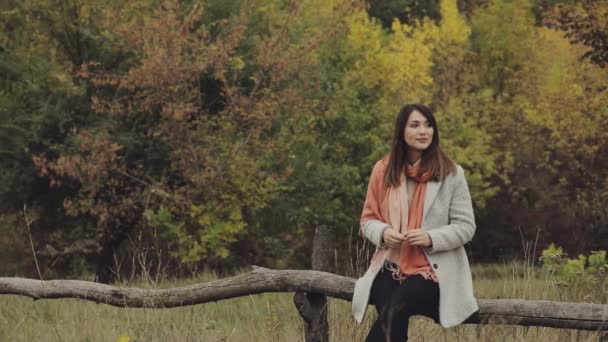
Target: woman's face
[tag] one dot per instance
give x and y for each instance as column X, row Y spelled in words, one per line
column 418, row 132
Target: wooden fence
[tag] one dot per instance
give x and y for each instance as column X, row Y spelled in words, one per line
column 311, row 287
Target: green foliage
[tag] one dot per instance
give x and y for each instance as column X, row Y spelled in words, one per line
column 469, row 145
column 501, row 37
column 552, row 257
column 593, row 267
column 233, row 128
column 573, row 268
column 214, row 231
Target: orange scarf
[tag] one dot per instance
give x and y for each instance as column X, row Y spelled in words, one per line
column 390, row 205
column 413, row 259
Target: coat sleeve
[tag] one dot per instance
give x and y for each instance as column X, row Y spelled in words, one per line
column 461, row 226
column 372, row 225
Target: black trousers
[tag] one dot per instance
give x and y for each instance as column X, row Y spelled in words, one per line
column 396, row 302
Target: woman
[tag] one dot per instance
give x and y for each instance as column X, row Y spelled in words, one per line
column 418, row 213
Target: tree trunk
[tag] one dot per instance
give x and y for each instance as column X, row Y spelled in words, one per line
column 104, row 269
column 313, row 306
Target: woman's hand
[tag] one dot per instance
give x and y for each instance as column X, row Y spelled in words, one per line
column 392, row 238
column 418, row 237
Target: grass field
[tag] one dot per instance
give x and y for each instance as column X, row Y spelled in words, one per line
column 273, row 317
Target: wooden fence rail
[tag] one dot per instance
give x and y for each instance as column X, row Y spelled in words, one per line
column 311, row 288
column 261, row 280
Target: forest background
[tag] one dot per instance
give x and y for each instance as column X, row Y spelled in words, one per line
column 177, row 136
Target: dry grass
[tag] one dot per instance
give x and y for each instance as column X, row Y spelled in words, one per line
column 272, row 317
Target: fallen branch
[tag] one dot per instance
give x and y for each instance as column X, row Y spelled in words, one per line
column 492, row 311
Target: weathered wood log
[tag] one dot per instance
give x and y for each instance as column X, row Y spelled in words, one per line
column 259, row 280
column 543, row 313
column 313, row 306
column 492, row 311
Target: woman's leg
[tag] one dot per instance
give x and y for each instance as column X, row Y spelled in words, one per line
column 380, row 295
column 414, row 296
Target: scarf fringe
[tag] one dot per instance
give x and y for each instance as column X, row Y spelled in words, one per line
column 400, row 276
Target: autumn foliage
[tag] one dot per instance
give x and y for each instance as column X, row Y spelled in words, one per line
column 220, row 133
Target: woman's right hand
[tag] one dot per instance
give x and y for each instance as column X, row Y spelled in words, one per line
column 392, row 238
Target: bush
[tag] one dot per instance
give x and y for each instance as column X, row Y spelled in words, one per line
column 593, row 267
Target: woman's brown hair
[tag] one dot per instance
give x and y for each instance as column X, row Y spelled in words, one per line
column 434, row 159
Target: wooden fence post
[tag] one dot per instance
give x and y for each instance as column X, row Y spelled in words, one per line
column 313, row 306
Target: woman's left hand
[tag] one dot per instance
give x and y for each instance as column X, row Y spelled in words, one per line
column 418, row 237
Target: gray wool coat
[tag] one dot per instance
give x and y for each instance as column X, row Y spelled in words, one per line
column 448, row 219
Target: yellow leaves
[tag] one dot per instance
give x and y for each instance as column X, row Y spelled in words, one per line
column 398, row 65
column 562, row 101
column 453, row 26
column 204, row 219
column 235, row 214
column 395, row 63
column 236, row 63
column 427, row 32
column 222, row 252
column 504, row 32
column 556, row 62
column 363, row 33
column 532, row 115
column 123, row 338
column 555, row 80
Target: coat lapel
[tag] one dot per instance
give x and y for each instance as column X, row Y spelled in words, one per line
column 431, row 192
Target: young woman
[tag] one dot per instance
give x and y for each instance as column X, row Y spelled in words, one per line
column 418, row 213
